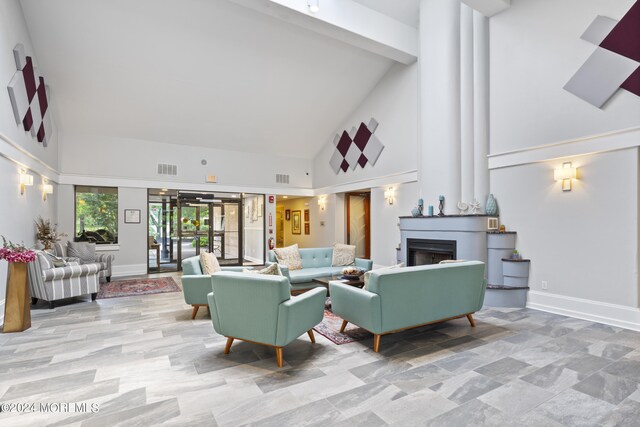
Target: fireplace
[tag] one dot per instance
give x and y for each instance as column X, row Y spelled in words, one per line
column 429, row 251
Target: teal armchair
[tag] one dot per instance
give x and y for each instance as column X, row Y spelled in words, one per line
column 405, row 298
column 196, row 285
column 259, row 309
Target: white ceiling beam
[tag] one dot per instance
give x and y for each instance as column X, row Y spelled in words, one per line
column 349, row 22
column 488, row 7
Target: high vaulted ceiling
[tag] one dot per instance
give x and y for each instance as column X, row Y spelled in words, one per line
column 197, row 72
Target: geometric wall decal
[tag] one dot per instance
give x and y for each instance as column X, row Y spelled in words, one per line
column 357, row 147
column 616, row 61
column 29, row 98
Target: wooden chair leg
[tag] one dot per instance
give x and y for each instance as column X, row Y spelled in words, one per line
column 311, row 337
column 227, row 347
column 279, row 356
column 195, row 311
column 471, row 321
column 376, row 342
column 344, row 325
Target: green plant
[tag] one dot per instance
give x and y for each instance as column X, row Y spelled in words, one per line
column 204, row 241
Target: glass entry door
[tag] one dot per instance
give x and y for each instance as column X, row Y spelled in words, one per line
column 210, row 223
column 162, row 242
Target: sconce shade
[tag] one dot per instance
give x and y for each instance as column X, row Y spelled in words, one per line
column 47, row 189
column 566, row 172
column 26, row 179
column 314, row 5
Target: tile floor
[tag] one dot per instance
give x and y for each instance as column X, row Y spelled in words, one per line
column 143, row 361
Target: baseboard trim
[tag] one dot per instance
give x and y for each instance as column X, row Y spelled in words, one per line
column 128, row 270
column 595, row 311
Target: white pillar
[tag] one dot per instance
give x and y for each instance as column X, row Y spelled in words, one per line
column 439, row 102
column 467, row 174
column 481, row 105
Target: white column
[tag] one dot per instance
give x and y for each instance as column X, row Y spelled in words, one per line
column 439, row 102
column 481, row 105
column 467, row 174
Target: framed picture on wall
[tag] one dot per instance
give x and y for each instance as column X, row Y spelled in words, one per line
column 306, row 215
column 132, row 216
column 307, row 229
column 296, row 223
column 287, row 214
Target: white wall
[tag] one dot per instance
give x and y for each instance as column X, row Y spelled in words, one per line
column 19, row 212
column 535, row 49
column 584, row 243
column 385, row 234
column 394, row 104
column 94, row 156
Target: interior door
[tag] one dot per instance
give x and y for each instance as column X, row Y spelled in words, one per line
column 359, row 223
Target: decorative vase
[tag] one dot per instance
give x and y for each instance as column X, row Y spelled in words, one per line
column 415, row 212
column 47, row 246
column 491, row 208
column 17, row 313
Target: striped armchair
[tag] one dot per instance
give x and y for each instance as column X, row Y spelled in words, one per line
column 105, row 260
column 51, row 283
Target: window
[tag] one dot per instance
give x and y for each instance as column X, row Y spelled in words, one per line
column 96, row 214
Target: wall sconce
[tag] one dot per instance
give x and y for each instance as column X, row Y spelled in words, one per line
column 389, row 195
column 314, row 5
column 565, row 174
column 25, row 180
column 46, row 189
column 322, row 202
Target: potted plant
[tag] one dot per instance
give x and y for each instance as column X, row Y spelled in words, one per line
column 17, row 316
column 516, row 255
column 46, row 233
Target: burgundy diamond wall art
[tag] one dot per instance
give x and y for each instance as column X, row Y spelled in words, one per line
column 614, row 64
column 29, row 100
column 357, row 147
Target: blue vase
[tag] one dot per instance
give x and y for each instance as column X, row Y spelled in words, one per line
column 491, row 208
column 416, row 212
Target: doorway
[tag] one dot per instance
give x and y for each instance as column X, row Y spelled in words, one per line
column 358, row 205
column 162, row 231
column 279, row 226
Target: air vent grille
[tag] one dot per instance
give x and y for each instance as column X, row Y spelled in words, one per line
column 282, row 178
column 167, row 169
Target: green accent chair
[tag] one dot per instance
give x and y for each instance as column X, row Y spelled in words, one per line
column 196, row 285
column 316, row 262
column 405, row 298
column 259, row 309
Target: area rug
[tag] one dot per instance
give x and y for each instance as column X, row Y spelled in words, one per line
column 330, row 328
column 133, row 287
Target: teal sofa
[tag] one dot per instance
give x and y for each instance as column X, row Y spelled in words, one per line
column 404, row 298
column 316, row 262
column 196, row 285
column 259, row 309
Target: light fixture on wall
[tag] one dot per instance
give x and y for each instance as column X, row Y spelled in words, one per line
column 46, row 189
column 314, row 5
column 565, row 174
column 389, row 195
column 25, row 180
column 322, row 202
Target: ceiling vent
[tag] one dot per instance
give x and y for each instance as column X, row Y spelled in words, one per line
column 167, row 169
column 282, row 178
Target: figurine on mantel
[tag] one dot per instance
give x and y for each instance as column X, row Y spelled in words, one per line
column 463, row 208
column 474, row 207
column 417, row 211
column 441, row 205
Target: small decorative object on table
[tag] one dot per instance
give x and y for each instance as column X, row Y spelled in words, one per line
column 502, row 228
column 46, row 233
column 516, row 254
column 491, row 208
column 351, row 273
column 474, row 207
column 417, row 211
column 441, row 205
column 17, row 314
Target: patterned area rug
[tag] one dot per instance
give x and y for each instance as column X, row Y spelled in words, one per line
column 330, row 328
column 127, row 288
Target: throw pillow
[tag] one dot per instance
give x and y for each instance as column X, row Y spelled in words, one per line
column 272, row 270
column 343, row 255
column 289, row 257
column 57, row 261
column 209, row 263
column 367, row 275
column 86, row 252
column 45, row 261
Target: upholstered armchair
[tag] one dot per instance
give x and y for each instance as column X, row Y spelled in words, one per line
column 196, row 285
column 105, row 260
column 51, row 283
column 260, row 309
